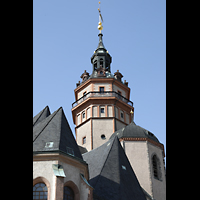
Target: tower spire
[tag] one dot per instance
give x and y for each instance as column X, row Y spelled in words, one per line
column 100, row 27
column 101, row 59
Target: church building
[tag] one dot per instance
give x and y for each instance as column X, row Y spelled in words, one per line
column 111, row 158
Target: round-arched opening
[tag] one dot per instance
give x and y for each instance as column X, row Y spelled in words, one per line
column 40, row 191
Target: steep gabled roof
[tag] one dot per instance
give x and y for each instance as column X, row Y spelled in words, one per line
column 111, row 174
column 41, row 115
column 54, row 134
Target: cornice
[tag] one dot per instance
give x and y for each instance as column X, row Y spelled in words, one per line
column 82, row 165
column 102, row 80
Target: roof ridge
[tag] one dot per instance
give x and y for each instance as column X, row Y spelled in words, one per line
column 40, row 114
column 54, row 114
column 105, row 161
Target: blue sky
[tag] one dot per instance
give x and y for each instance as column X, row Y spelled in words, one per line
column 65, row 36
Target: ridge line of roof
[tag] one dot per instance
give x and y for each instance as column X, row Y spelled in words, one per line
column 105, row 161
column 47, row 124
column 40, row 115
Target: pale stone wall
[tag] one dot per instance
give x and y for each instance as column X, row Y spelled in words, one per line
column 73, row 174
column 80, row 115
column 87, row 89
column 159, row 186
column 119, row 125
column 94, row 111
column 122, row 114
column 110, row 111
column 88, row 113
column 106, row 85
column 78, row 119
column 84, row 131
column 123, row 93
column 140, row 155
column 137, row 153
column 116, row 113
column 101, row 126
column 127, row 119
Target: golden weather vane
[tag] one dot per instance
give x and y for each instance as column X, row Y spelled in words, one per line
column 100, row 27
column 131, row 115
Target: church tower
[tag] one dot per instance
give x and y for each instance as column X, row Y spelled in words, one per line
column 102, row 103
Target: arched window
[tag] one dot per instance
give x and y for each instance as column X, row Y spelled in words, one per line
column 40, row 191
column 95, row 64
column 101, row 62
column 107, row 66
column 68, row 193
column 156, row 167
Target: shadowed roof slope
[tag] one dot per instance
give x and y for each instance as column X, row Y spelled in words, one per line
column 111, row 174
column 54, row 134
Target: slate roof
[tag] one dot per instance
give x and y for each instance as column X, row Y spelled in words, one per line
column 41, row 115
column 134, row 131
column 51, row 132
column 107, row 176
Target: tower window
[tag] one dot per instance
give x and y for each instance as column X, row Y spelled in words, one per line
column 68, row 193
column 107, row 66
column 101, row 89
column 156, row 167
column 84, row 140
column 122, row 115
column 95, row 65
column 102, row 110
column 101, row 62
column 83, row 115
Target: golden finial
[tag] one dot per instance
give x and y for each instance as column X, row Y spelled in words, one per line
column 131, row 115
column 100, row 27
